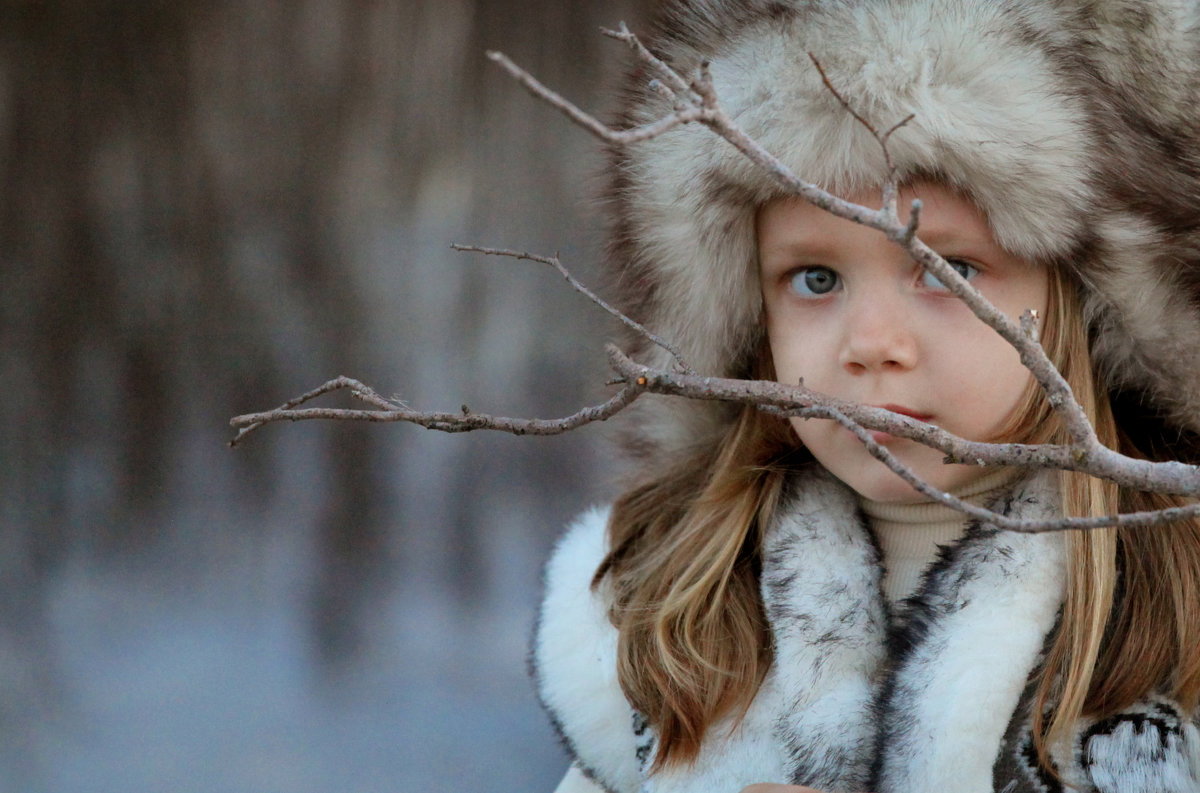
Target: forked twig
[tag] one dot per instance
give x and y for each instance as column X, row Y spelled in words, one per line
column 798, row 400
column 464, row 421
column 988, row 517
column 676, row 83
column 588, row 122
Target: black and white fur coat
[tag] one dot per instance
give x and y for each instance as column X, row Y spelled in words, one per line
column 931, row 699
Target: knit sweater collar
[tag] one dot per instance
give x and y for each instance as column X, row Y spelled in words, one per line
column 911, row 534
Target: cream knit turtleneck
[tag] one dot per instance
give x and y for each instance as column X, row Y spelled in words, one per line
column 911, row 534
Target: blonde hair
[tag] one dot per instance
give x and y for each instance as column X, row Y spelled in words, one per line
column 694, row 644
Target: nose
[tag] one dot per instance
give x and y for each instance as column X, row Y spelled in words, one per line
column 879, row 336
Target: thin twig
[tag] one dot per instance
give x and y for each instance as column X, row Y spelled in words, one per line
column 364, row 392
column 901, row 123
column 829, row 86
column 703, row 86
column 881, row 139
column 676, row 83
column 557, row 264
column 914, row 220
column 1029, row 323
column 590, row 123
column 988, row 517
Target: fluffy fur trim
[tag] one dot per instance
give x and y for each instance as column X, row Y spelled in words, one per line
column 1152, row 747
column 575, row 662
column 1073, row 125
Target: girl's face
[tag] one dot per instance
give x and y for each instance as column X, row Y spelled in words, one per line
column 850, row 314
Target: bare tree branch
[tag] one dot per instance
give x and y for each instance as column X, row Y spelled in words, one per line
column 696, row 101
column 338, row 383
column 988, row 517
column 796, row 400
column 464, row 421
column 677, row 84
column 891, row 186
column 880, row 139
column 590, row 123
column 554, row 262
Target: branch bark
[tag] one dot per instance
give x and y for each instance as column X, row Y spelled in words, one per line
column 796, row 400
column 388, row 411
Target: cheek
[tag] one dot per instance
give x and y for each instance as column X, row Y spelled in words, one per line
column 796, row 351
column 794, row 361
column 996, row 389
column 781, row 353
column 819, row 437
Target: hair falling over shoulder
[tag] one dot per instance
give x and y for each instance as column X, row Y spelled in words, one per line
column 1131, row 619
column 694, row 644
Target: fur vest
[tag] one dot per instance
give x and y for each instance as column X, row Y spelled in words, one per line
column 932, row 698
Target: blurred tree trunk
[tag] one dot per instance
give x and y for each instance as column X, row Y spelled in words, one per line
column 210, row 207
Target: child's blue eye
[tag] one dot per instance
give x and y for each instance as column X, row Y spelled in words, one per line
column 815, row 281
column 964, row 269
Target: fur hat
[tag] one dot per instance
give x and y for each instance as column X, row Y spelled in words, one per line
column 1073, row 124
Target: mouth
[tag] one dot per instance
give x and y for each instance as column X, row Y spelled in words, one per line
column 903, row 411
column 885, row 437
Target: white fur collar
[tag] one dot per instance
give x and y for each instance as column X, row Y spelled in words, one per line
column 575, row 661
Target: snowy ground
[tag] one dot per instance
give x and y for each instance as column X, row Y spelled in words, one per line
column 207, row 683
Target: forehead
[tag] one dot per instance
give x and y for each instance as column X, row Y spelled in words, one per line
column 944, row 213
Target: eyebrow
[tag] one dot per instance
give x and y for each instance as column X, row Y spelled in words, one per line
column 808, row 246
column 803, row 243
column 939, row 237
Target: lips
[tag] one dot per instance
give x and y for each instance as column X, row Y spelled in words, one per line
column 884, row 437
column 903, row 411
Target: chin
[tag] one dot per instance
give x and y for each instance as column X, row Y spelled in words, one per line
column 892, row 490
column 879, row 483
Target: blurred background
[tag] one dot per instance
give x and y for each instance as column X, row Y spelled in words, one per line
column 207, row 209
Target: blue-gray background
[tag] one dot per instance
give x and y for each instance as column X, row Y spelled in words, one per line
column 205, row 209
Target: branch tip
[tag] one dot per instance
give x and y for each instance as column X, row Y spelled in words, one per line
column 1029, row 323
column 620, row 34
column 902, row 122
column 914, row 220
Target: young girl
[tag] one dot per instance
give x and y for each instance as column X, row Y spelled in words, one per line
column 769, row 604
